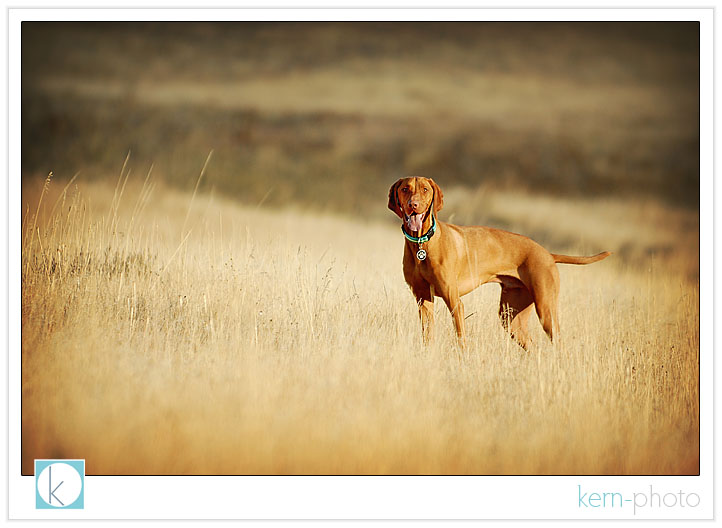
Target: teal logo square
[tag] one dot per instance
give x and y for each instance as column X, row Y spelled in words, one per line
column 60, row 484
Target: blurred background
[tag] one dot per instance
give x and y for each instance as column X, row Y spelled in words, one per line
column 247, row 329
column 328, row 115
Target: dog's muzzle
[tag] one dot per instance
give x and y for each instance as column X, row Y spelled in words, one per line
column 414, row 222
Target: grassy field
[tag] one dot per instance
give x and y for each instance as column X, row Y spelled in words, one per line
column 171, row 333
column 256, row 320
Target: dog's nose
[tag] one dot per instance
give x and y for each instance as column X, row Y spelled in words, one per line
column 414, row 204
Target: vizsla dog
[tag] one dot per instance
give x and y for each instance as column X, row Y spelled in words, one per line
column 449, row 261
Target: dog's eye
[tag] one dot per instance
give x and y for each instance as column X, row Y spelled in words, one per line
column 405, row 189
column 426, row 189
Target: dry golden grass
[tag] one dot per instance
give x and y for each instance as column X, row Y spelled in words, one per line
column 164, row 334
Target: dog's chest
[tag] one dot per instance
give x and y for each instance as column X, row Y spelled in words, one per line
column 427, row 268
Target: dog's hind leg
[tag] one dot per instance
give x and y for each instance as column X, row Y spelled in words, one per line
column 515, row 307
column 546, row 295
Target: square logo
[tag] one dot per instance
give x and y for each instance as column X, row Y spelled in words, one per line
column 59, row 484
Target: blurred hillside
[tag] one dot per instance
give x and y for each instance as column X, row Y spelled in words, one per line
column 328, row 115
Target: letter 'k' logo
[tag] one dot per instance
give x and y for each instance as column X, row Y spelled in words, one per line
column 59, row 484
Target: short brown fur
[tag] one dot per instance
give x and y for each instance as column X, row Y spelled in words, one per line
column 461, row 258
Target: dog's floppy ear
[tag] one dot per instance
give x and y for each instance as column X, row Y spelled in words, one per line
column 394, row 204
column 438, row 196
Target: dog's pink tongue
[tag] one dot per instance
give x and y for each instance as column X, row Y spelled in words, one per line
column 415, row 222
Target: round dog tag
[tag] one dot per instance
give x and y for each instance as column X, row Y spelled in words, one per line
column 421, row 254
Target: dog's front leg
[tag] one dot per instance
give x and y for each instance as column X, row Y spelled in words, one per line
column 425, row 300
column 426, row 313
column 456, row 307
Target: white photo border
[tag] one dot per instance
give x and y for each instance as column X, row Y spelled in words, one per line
column 348, row 497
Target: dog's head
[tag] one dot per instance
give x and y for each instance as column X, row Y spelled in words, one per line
column 411, row 199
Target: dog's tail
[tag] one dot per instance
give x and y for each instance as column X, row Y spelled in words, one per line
column 566, row 259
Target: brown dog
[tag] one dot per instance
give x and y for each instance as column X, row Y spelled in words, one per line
column 449, row 261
